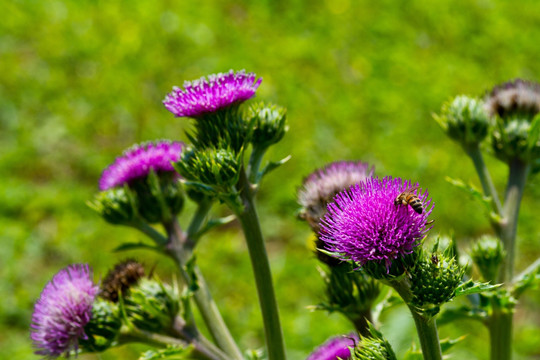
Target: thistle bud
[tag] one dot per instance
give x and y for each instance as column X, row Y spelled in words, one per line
column 373, row 347
column 103, row 328
column 269, row 124
column 152, row 306
column 515, row 106
column 217, row 170
column 434, row 280
column 488, row 255
column 116, row 205
column 464, row 120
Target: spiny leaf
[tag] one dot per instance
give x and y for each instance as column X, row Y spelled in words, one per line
column 472, row 287
column 137, row 246
column 271, row 166
column 169, row 353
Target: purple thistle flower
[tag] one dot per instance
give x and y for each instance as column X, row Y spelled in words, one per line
column 137, row 162
column 204, row 96
column 62, row 310
column 320, row 187
column 334, row 348
column 364, row 223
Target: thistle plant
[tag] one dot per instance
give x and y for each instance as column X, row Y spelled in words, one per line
column 372, row 235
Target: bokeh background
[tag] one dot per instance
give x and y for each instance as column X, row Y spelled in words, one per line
column 82, row 80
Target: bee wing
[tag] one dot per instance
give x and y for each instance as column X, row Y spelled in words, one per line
column 411, row 189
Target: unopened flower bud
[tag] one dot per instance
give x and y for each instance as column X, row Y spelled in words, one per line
column 434, row 280
column 488, row 255
column 152, row 305
column 464, row 120
column 373, row 347
column 116, row 205
column 270, row 124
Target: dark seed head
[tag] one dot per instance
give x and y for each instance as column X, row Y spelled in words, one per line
column 118, row 281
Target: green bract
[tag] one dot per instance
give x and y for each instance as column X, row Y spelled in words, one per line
column 103, row 328
column 116, row 205
column 488, row 255
column 269, row 124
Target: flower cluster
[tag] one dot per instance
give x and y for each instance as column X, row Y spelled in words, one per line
column 366, row 224
column 200, row 97
column 137, row 162
column 62, row 311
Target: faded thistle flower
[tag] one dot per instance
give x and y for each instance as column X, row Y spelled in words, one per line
column 515, row 105
column 366, row 223
column 62, row 310
column 120, row 279
column 319, row 188
column 137, row 162
column 203, row 96
column 148, row 171
column 335, row 348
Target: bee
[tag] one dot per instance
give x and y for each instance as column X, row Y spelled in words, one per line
column 409, row 198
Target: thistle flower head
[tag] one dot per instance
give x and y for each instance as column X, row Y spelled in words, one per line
column 62, row 310
column 335, row 348
column 137, row 162
column 517, row 97
column 320, row 187
column 210, row 94
column 366, row 224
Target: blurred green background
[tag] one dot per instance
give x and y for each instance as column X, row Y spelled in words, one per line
column 82, row 80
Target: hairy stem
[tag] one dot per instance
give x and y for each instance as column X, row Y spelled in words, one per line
column 425, row 325
column 483, row 173
column 203, row 298
column 500, row 334
column 261, row 269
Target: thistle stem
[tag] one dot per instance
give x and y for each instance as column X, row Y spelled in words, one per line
column 200, row 348
column 255, row 163
column 203, row 298
column 500, row 334
column 425, row 325
column 517, row 177
column 261, row 269
column 485, row 178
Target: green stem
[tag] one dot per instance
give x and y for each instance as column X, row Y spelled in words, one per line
column 255, row 163
column 425, row 325
column 203, row 298
column 200, row 348
column 483, row 173
column 517, row 177
column 198, row 220
column 149, row 231
column 261, row 269
column 500, row 335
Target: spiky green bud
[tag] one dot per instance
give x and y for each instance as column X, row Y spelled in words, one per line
column 488, row 255
column 434, row 280
column 103, row 328
column 464, row 120
column 116, row 205
column 215, row 170
column 152, row 305
column 373, row 347
column 269, row 124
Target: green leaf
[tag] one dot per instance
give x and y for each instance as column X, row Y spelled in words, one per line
column 214, row 223
column 447, row 344
column 137, row 246
column 269, row 167
column 527, row 279
column 169, row 353
column 486, row 201
column 472, row 287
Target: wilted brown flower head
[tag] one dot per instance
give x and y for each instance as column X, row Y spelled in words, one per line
column 514, row 97
column 118, row 281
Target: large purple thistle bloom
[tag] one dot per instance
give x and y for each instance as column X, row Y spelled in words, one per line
column 334, row 348
column 204, row 96
column 364, row 223
column 62, row 310
column 139, row 160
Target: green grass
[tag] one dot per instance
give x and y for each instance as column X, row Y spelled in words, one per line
column 83, row 80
